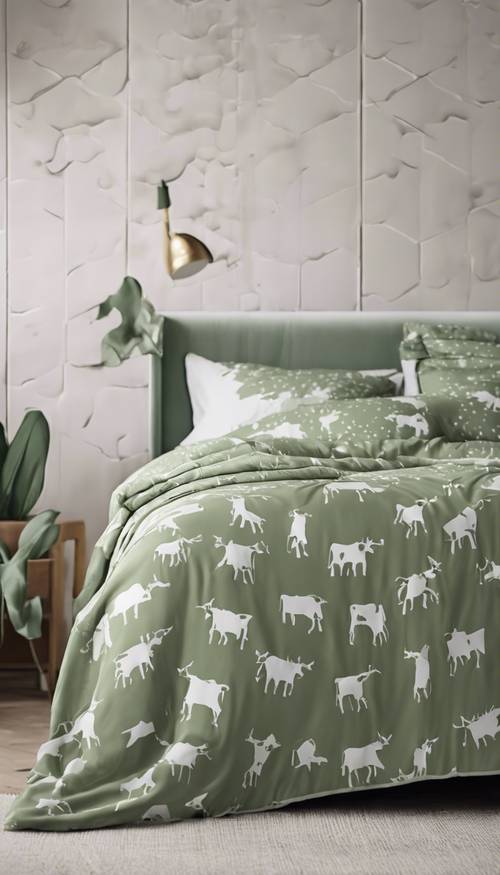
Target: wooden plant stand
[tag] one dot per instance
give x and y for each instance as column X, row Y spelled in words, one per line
column 45, row 579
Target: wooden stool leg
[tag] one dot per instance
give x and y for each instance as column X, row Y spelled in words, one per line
column 80, row 558
column 57, row 613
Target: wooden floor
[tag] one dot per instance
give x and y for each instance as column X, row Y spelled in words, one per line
column 24, row 724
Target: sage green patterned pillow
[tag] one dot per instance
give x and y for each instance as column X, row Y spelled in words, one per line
column 465, row 399
column 226, row 396
column 460, row 366
column 468, row 417
column 456, row 344
column 419, row 338
column 350, row 421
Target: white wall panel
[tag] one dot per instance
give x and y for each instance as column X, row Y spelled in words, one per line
column 67, row 138
column 3, row 218
column 431, row 128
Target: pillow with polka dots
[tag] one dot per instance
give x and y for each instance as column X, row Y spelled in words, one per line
column 227, row 396
column 460, row 366
column 350, row 422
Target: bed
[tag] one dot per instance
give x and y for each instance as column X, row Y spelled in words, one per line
column 268, row 620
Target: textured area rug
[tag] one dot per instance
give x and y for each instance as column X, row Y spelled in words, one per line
column 440, row 828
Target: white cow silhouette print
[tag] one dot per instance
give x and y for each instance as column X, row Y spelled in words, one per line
column 305, row 755
column 101, row 639
column 297, row 539
column 52, row 747
column 144, row 783
column 463, row 526
column 226, row 623
column 309, row 606
column 360, row 487
column 262, row 749
column 415, row 586
column 356, row 758
column 240, row 512
column 185, row 756
column 321, row 393
column 176, row 551
column 131, row 598
column 486, row 575
column 412, row 516
column 420, row 756
column 284, row 430
column 422, row 684
column 481, row 726
column 352, row 686
column 157, row 814
column 490, row 401
column 197, row 803
column 140, row 730
column 169, row 521
column 82, row 726
column 370, row 615
column 74, row 767
column 241, row 558
column 327, row 421
column 39, row 778
column 461, row 646
column 280, row 671
column 351, row 556
column 139, row 657
column 209, row 693
column 417, row 422
column 54, row 806
column 164, row 519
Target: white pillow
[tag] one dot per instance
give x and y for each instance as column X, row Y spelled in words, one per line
column 410, row 376
column 227, row 396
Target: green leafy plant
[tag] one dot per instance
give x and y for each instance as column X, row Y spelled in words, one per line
column 140, row 327
column 22, row 466
column 38, row 536
column 22, row 474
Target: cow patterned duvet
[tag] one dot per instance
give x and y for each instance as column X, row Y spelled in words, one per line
column 268, row 622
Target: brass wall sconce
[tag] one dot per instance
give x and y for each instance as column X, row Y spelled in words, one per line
column 184, row 254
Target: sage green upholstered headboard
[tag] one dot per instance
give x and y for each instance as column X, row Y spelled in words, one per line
column 290, row 340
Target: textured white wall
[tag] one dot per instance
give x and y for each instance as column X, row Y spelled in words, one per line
column 3, row 220
column 256, row 105
column 67, row 131
column 431, row 154
column 332, row 155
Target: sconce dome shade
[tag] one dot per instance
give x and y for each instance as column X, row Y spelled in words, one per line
column 185, row 255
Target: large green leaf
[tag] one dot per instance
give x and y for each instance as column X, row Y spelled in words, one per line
column 23, row 471
column 3, row 446
column 38, row 535
column 140, row 328
column 36, row 539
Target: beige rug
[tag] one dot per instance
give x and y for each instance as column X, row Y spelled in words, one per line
column 443, row 828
